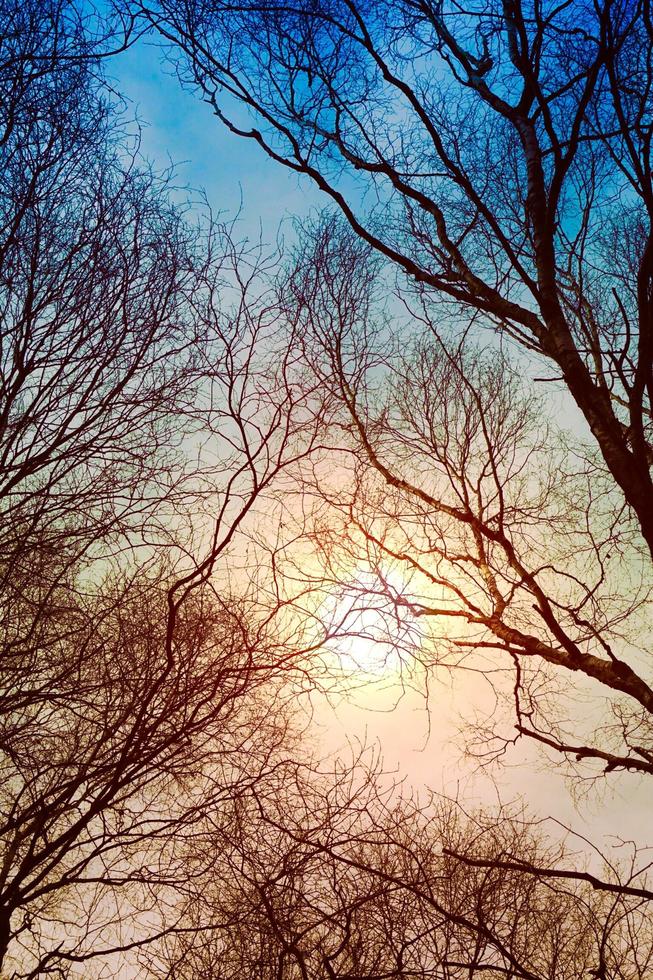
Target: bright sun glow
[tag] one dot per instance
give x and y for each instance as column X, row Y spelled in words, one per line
column 375, row 633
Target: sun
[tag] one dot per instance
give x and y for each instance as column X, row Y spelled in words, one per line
column 373, row 632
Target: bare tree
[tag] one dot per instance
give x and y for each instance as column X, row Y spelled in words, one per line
column 346, row 879
column 94, row 263
column 151, row 622
column 498, row 157
column 501, row 537
column 505, row 148
column 146, row 412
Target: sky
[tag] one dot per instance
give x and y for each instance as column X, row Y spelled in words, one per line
column 236, row 175
column 178, row 128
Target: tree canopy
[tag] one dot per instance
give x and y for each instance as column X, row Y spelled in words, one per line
column 424, row 426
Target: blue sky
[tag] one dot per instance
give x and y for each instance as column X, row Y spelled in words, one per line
column 179, row 128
